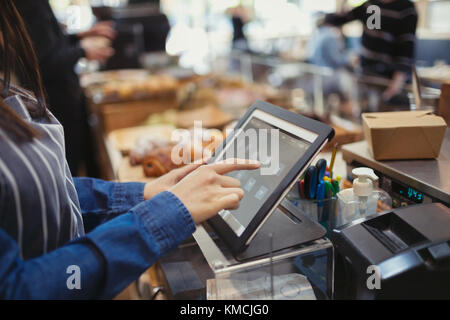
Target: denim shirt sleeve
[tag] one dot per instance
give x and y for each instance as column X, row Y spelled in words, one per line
column 108, row 259
column 102, row 200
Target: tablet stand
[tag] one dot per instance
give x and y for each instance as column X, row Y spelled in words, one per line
column 285, row 228
column 278, row 244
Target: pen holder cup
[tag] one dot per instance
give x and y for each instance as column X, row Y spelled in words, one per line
column 321, row 211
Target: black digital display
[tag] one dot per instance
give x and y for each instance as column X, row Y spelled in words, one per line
column 407, row 192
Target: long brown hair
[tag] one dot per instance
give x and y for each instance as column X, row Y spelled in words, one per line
column 18, row 57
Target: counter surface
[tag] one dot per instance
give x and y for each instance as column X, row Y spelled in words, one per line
column 430, row 176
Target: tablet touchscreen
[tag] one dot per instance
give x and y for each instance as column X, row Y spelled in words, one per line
column 278, row 145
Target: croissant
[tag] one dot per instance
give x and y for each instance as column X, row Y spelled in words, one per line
column 144, row 147
column 159, row 162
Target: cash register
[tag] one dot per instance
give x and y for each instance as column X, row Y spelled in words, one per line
column 400, row 254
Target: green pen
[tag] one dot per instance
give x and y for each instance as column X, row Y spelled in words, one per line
column 329, row 190
column 336, row 186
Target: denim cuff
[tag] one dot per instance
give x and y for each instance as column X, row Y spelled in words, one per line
column 126, row 195
column 167, row 219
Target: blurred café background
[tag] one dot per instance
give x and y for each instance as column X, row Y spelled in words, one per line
column 211, row 59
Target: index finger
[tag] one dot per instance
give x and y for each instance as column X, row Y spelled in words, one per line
column 185, row 170
column 229, row 165
column 105, row 23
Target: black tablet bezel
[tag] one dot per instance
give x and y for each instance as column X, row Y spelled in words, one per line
column 324, row 132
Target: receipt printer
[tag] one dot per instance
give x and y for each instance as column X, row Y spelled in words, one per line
column 399, row 254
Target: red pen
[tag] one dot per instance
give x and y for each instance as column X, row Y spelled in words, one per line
column 302, row 189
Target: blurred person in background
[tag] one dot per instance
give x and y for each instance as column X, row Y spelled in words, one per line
column 58, row 53
column 386, row 52
column 326, row 48
column 240, row 15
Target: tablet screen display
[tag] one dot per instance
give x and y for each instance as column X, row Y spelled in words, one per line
column 278, row 148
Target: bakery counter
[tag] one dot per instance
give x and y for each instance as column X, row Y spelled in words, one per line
column 118, row 145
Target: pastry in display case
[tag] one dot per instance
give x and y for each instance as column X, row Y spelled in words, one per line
column 159, row 162
column 127, row 85
column 144, row 147
column 230, row 93
column 159, row 156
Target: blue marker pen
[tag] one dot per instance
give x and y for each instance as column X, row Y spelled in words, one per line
column 320, row 195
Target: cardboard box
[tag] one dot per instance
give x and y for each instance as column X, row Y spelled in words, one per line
column 404, row 135
column 444, row 102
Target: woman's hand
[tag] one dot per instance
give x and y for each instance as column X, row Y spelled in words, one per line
column 100, row 29
column 206, row 190
column 98, row 49
column 96, row 41
column 168, row 180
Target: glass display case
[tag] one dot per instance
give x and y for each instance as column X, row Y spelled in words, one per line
column 288, row 258
column 205, row 269
column 321, row 91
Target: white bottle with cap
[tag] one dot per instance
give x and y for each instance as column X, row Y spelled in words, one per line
column 362, row 199
column 363, row 189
